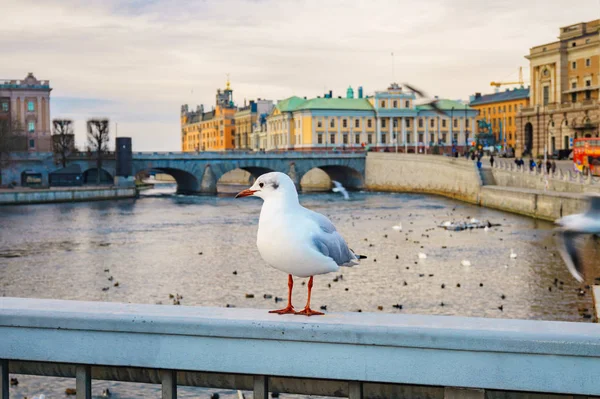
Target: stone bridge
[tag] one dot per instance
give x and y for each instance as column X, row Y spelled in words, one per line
column 200, row 172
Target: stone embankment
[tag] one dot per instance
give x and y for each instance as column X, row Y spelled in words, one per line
column 516, row 191
column 22, row 196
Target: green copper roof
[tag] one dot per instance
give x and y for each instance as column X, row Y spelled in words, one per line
column 446, row 105
column 355, row 104
column 290, row 104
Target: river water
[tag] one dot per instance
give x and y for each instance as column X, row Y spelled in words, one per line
column 203, row 248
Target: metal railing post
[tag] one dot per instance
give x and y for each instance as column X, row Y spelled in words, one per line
column 83, row 382
column 4, row 382
column 261, row 387
column 168, row 380
column 355, row 390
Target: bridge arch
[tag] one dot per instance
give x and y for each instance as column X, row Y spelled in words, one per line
column 348, row 176
column 244, row 175
column 90, row 176
column 187, row 183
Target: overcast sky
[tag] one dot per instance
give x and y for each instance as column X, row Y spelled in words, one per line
column 137, row 61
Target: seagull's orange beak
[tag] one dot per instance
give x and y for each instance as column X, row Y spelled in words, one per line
column 246, row 193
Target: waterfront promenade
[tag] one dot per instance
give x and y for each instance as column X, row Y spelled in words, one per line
column 23, row 195
column 502, row 187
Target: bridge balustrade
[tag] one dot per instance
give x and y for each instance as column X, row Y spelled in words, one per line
column 355, row 355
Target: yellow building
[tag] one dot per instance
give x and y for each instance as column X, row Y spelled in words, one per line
column 500, row 110
column 209, row 131
column 564, row 91
column 388, row 120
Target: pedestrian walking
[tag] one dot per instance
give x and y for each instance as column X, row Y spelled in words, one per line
column 492, row 160
column 553, row 167
column 531, row 164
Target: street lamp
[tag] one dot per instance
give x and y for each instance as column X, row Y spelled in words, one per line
column 451, row 126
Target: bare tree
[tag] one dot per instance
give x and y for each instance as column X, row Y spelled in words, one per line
column 63, row 139
column 11, row 139
column 97, row 138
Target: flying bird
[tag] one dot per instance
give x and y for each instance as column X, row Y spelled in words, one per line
column 574, row 226
column 294, row 239
column 432, row 102
column 340, row 189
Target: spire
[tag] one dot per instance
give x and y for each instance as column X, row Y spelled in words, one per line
column 228, row 87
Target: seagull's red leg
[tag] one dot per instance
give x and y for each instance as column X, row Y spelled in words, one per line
column 289, row 309
column 307, row 311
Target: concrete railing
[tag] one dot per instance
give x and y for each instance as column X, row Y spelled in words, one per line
column 248, row 155
column 508, row 174
column 352, row 355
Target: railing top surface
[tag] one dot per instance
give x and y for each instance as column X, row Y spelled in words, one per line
column 245, row 155
column 394, row 330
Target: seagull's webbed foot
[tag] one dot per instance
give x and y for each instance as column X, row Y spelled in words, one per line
column 308, row 312
column 287, row 310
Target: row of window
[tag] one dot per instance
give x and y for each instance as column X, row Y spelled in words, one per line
column 384, row 123
column 409, row 138
column 30, row 106
column 588, row 83
column 588, row 63
column 587, row 96
column 500, row 109
column 496, row 122
column 382, row 104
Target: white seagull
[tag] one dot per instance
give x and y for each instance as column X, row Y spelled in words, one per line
column 573, row 226
column 294, row 239
column 340, row 189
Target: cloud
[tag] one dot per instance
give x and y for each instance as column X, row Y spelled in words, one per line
column 146, row 58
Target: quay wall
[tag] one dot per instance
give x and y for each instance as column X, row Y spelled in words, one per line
column 537, row 204
column 22, row 197
column 450, row 177
column 460, row 179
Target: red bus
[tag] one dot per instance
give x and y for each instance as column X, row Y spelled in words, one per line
column 586, row 155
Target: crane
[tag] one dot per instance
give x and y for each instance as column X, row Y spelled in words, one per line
column 520, row 82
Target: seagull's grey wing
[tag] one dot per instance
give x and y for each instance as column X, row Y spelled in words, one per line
column 334, row 246
column 567, row 247
column 330, row 243
column 324, row 223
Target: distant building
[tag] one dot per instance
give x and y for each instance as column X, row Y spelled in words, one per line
column 246, row 118
column 26, row 104
column 564, row 102
column 500, row 110
column 209, row 131
column 388, row 119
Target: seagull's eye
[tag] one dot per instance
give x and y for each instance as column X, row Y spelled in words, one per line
column 261, row 185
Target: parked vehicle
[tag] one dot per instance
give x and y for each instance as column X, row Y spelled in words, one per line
column 562, row 154
column 586, row 155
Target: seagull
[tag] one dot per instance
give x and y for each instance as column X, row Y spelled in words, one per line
column 397, row 227
column 432, row 102
column 573, row 226
column 465, row 262
column 422, row 255
column 340, row 189
column 513, row 255
column 294, row 239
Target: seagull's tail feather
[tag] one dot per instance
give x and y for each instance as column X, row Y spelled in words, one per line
column 355, row 261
